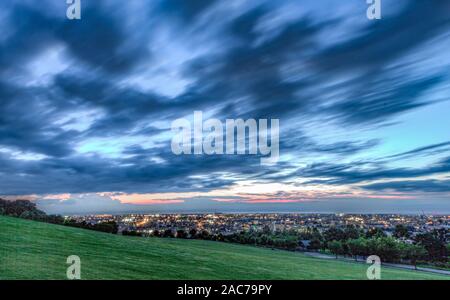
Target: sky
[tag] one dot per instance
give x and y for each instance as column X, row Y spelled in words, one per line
column 86, row 105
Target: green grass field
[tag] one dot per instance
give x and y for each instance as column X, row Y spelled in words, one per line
column 33, row 250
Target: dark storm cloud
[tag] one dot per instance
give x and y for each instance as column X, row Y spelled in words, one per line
column 251, row 67
column 111, row 50
column 435, row 148
column 186, row 11
column 374, row 106
column 123, row 107
column 252, row 70
column 358, row 172
column 100, row 40
column 24, row 122
column 29, row 33
column 79, row 174
column 243, row 77
column 242, row 71
column 26, row 113
column 297, row 142
column 378, row 95
column 382, row 42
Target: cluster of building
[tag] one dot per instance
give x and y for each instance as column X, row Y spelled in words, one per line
column 232, row 223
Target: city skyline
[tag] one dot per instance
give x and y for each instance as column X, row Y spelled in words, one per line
column 86, row 105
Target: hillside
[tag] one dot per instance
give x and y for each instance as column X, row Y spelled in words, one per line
column 33, row 250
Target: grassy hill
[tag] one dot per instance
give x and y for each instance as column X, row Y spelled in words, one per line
column 33, row 250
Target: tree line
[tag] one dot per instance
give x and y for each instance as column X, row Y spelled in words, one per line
column 429, row 246
column 26, row 209
column 349, row 241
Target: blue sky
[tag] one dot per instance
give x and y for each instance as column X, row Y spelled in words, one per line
column 86, row 105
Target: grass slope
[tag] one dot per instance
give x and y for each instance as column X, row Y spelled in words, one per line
column 32, row 250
